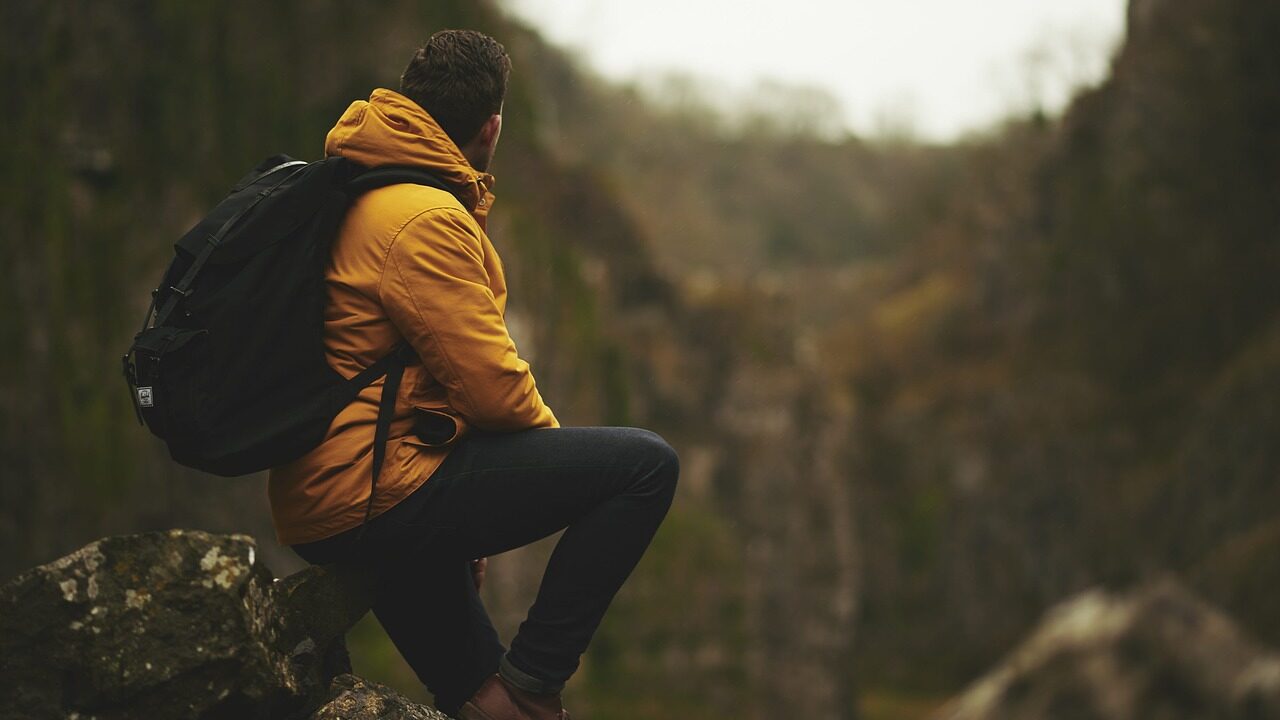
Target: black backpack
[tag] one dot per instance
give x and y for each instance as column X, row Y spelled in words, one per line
column 232, row 374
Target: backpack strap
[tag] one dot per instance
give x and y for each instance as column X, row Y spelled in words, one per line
column 391, row 366
column 395, row 362
column 272, row 164
column 396, row 175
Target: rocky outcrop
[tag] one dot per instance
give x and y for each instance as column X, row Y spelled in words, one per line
column 182, row 624
column 1158, row 652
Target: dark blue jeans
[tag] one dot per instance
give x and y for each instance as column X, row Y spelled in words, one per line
column 610, row 487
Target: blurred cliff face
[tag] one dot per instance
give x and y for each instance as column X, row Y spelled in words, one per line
column 922, row 392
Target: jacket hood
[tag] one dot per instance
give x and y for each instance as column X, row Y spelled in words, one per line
column 391, row 129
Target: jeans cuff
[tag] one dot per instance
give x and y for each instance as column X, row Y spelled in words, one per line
column 524, row 680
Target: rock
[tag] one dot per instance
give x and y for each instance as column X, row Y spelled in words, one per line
column 354, row 698
column 178, row 624
column 1158, row 652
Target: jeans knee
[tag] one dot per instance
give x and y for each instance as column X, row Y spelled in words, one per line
column 661, row 464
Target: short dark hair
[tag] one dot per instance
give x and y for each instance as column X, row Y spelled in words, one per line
column 460, row 78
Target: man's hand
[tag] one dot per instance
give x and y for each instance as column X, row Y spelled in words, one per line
column 478, row 568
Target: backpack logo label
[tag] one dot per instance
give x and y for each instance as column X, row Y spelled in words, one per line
column 145, row 397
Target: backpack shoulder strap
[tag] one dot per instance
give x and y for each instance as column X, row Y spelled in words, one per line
column 391, row 366
column 396, row 175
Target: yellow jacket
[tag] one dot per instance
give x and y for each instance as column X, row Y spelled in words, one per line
column 409, row 262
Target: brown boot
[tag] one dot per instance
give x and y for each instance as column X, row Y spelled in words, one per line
column 499, row 700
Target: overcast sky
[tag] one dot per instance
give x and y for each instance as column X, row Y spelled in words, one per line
column 941, row 67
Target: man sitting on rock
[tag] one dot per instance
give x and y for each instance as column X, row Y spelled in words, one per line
column 476, row 464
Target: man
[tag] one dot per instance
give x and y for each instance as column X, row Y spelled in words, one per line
column 477, row 464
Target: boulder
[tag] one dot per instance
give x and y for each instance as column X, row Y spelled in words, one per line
column 178, row 624
column 1156, row 652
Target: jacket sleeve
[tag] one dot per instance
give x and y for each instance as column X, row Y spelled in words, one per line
column 436, row 291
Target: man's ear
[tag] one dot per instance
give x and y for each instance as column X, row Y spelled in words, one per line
column 489, row 132
column 479, row 151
